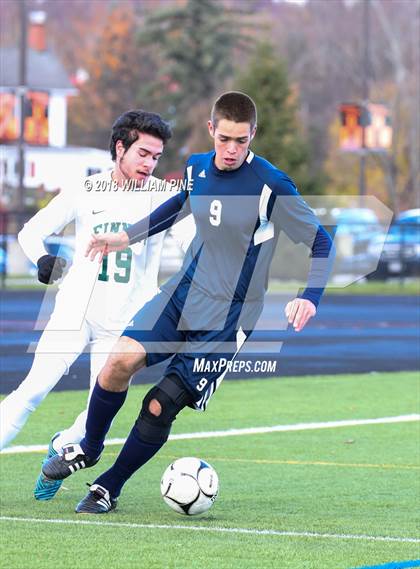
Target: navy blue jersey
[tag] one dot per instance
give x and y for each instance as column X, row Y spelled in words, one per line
column 239, row 215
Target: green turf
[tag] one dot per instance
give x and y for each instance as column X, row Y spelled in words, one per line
column 360, row 480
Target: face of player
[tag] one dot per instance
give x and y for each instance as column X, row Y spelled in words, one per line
column 231, row 143
column 139, row 161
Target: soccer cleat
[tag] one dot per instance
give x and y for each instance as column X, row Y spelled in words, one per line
column 46, row 489
column 97, row 501
column 70, row 461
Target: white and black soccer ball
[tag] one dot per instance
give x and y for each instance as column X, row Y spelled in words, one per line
column 189, row 486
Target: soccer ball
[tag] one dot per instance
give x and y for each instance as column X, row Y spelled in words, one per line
column 189, row 486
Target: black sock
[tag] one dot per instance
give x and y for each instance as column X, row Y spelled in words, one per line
column 133, row 455
column 103, row 407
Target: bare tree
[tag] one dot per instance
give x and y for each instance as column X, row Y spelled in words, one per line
column 403, row 52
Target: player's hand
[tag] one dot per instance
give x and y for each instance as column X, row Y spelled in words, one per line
column 298, row 312
column 50, row 268
column 106, row 243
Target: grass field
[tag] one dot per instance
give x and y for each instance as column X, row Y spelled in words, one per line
column 332, row 498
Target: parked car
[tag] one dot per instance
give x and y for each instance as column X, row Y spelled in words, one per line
column 353, row 227
column 3, row 261
column 358, row 222
column 409, row 216
column 400, row 249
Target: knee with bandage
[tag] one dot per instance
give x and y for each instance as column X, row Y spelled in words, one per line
column 160, row 408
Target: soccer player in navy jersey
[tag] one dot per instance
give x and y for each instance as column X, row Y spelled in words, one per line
column 240, row 203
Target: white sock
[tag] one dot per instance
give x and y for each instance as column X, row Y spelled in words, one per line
column 73, row 434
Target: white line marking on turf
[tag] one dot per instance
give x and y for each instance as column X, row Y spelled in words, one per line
column 247, row 431
column 249, row 531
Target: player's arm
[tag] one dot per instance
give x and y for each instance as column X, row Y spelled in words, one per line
column 300, row 310
column 49, row 220
column 162, row 218
column 296, row 218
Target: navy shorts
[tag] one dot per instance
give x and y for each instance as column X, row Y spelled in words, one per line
column 201, row 334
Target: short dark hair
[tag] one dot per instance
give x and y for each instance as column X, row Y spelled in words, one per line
column 128, row 126
column 234, row 106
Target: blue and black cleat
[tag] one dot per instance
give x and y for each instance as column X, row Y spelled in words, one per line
column 45, row 488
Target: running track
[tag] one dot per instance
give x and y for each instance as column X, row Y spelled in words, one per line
column 351, row 334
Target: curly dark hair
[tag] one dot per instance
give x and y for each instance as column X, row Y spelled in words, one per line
column 129, row 125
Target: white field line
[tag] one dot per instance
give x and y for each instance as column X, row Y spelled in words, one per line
column 248, row 431
column 249, row 531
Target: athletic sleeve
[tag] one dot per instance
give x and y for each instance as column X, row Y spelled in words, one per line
column 323, row 254
column 163, row 217
column 292, row 215
column 51, row 219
